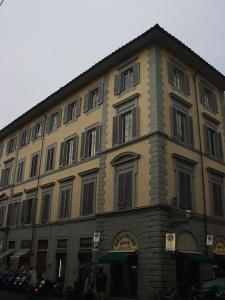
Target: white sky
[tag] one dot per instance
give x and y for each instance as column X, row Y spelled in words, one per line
column 46, row 43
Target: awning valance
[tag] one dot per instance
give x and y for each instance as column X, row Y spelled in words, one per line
column 114, row 257
column 21, row 253
column 197, row 257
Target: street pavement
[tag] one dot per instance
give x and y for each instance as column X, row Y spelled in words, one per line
column 6, row 295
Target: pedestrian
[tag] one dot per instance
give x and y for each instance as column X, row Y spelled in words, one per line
column 32, row 284
column 88, row 291
column 101, row 280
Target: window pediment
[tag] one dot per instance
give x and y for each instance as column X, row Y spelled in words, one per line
column 124, row 157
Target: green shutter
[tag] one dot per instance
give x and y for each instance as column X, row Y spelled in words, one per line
column 48, row 124
column 28, row 136
column 98, row 139
column 23, row 214
column 78, row 106
column 182, row 190
column 33, row 133
column 174, row 122
column 201, row 93
column 191, row 134
column 117, row 84
column 171, row 73
column 9, row 215
column 85, row 199
column 220, row 146
column 115, row 138
column 214, row 102
column 75, row 140
column 65, row 114
column 82, row 147
column 86, row 100
column 101, row 93
column 136, row 73
column 206, row 134
column 61, row 159
column 128, row 190
column 59, row 120
column 135, row 122
column 121, row 191
column 186, row 84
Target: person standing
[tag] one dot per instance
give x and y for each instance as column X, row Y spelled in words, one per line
column 101, row 280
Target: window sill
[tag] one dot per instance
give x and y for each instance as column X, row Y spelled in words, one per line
column 181, row 92
column 70, row 122
column 131, row 89
column 92, row 109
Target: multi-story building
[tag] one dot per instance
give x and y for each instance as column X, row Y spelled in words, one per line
column 133, row 148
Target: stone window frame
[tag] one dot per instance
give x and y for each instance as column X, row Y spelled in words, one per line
column 63, row 186
column 47, row 190
column 7, row 165
column 62, row 150
column 12, row 219
column 219, row 180
column 205, row 86
column 38, row 164
column 129, row 104
column 119, row 88
column 85, row 141
column 187, row 166
column 11, row 145
column 75, row 101
column 87, row 107
column 46, row 157
column 24, row 141
column 34, row 133
column 50, row 130
column 88, row 178
column 173, row 66
column 124, row 163
column 32, row 197
column 23, row 161
column 179, row 106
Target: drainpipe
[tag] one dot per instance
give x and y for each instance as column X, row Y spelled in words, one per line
column 202, row 160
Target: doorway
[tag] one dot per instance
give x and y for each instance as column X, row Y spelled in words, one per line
column 60, row 265
column 41, row 262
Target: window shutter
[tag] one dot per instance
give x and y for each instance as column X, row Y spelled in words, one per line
column 135, row 122
column 128, row 190
column 65, row 115
column 42, row 127
column 201, row 93
column 214, row 102
column 188, row 192
column 20, row 140
column 115, row 138
column 117, row 84
column 23, row 214
column 90, row 201
column 78, row 106
column 171, row 73
column 82, row 148
column 9, row 215
column 74, row 156
column 45, row 208
column 31, row 213
column 59, row 119
column 186, row 84
column 101, row 93
column 220, row 146
column 182, row 190
column 62, row 204
column 98, row 139
column 2, row 178
column 2, row 215
column 191, row 134
column 28, row 136
column 14, row 143
column 67, row 203
column 33, row 133
column 48, row 124
column 85, row 199
column 121, row 192
column 61, row 159
column 206, row 134
column 18, row 214
column 86, row 100
column 136, row 73
column 120, row 130
column 174, row 122
column 7, row 148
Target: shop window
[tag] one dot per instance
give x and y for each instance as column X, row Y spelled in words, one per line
column 125, row 123
column 90, row 142
column 65, row 201
column 127, row 78
column 213, row 141
column 125, row 180
column 20, row 170
column 24, row 138
column 6, row 174
column 217, row 194
column 50, row 158
column 54, row 121
column 182, row 125
column 178, row 78
column 93, row 98
column 68, row 152
column 184, row 182
column 34, row 165
column 208, row 98
column 46, row 206
column 37, row 130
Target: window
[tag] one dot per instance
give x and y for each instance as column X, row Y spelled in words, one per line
column 86, row 242
column 94, row 98
column 182, row 129
column 24, row 138
column 127, row 78
column 125, row 165
column 2, row 216
column 178, row 78
column 50, row 158
column 208, row 98
column 68, row 152
column 62, row 244
column 11, row 146
column 20, row 171
column 34, row 165
column 217, row 195
column 53, row 121
column 26, row 244
column 65, row 201
column 125, row 124
column 88, row 198
column 42, row 244
column 13, row 214
column 184, row 184
column 11, row 245
column 1, row 150
column 6, row 175
column 213, row 141
column 72, row 111
column 46, row 206
column 90, row 142
column 27, row 215
column 38, row 130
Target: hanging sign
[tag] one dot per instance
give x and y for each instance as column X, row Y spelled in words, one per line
column 170, row 241
column 125, row 241
column 219, row 246
column 96, row 240
column 209, row 240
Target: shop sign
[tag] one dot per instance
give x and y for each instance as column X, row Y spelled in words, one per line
column 219, row 246
column 209, row 240
column 96, row 240
column 170, row 241
column 125, row 241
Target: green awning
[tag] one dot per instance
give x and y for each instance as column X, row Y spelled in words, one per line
column 196, row 257
column 114, row 257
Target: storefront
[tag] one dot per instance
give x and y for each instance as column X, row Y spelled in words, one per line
column 218, row 251
column 123, row 265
